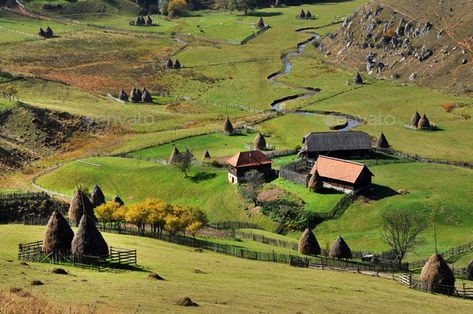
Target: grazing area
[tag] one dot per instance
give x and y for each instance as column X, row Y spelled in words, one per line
column 221, row 284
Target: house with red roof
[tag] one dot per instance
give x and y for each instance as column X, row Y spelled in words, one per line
column 342, row 175
column 243, row 162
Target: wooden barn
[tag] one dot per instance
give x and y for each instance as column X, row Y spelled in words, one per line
column 343, row 144
column 243, row 162
column 338, row 174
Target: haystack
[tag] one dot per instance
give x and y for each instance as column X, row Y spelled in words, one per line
column 308, row 244
column 424, row 123
column 228, row 127
column 382, row 142
column 206, row 154
column 469, row 271
column 358, row 79
column 302, row 14
column 48, row 32
column 41, row 32
column 149, row 20
column 139, row 93
column 260, row 141
column 340, row 249
column 123, row 96
column 260, row 23
column 174, row 155
column 58, row 235
column 169, row 64
column 308, row 15
column 415, row 119
column 177, row 64
column 88, row 240
column 436, row 276
column 118, row 200
column 80, row 205
column 134, row 96
column 146, row 97
column 138, row 21
column 97, row 197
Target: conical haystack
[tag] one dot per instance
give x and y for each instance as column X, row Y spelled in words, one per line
column 177, row 64
column 174, row 155
column 149, row 20
column 308, row 244
column 80, row 204
column 41, row 32
column 358, row 79
column 302, row 14
column 134, row 96
column 146, row 97
column 169, row 64
column 139, row 93
column 260, row 141
column 88, row 240
column 48, row 32
column 340, row 249
column 58, row 235
column 228, row 127
column 382, row 142
column 260, row 23
column 123, row 96
column 97, row 197
column 469, row 271
column 424, row 123
column 436, row 276
column 138, row 21
column 118, row 200
column 415, row 119
column 206, row 155
column 308, row 15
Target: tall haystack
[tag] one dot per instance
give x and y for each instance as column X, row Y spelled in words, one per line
column 424, row 123
column 48, row 32
column 97, row 197
column 415, row 119
column 302, row 14
column 169, row 64
column 314, row 183
column 149, row 20
column 340, row 249
column 139, row 93
column 358, row 79
column 308, row 244
column 382, row 142
column 146, row 97
column 469, row 271
column 138, row 21
column 206, row 155
column 174, row 155
column 118, row 200
column 58, row 235
column 308, row 15
column 177, row 64
column 123, row 96
column 260, row 23
column 228, row 127
column 41, row 32
column 436, row 276
column 134, row 96
column 80, row 205
column 88, row 240
column 260, row 141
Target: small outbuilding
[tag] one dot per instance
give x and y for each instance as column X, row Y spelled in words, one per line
column 308, row 244
column 341, row 144
column 243, row 162
column 341, row 175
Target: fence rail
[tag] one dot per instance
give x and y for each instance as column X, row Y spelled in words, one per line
column 462, row 291
column 449, row 255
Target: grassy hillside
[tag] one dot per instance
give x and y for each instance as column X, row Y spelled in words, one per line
column 225, row 283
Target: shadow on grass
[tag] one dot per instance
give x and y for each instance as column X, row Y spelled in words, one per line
column 263, row 14
column 381, row 192
column 202, row 176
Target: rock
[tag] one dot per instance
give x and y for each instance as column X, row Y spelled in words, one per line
column 464, row 61
column 426, row 54
column 413, row 77
column 59, row 271
column 186, row 302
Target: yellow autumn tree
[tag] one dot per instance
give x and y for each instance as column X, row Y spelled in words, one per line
column 138, row 215
column 105, row 212
column 158, row 210
column 177, row 8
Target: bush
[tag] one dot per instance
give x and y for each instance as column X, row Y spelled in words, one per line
column 178, row 8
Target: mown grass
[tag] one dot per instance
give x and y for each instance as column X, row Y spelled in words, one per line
column 224, row 283
column 136, row 180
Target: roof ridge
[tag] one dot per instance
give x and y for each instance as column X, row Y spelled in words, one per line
column 343, row 160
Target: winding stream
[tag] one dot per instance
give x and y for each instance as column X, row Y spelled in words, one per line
column 307, row 92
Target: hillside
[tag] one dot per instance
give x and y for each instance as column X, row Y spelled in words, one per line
column 428, row 42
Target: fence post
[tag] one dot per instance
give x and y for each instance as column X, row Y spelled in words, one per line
column 410, row 280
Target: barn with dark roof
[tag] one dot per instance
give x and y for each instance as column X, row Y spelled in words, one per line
column 243, row 162
column 343, row 144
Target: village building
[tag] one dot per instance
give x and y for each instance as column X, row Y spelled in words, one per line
column 343, row 144
column 341, row 175
column 243, row 162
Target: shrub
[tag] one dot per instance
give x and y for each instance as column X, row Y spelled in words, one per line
column 177, row 8
column 448, row 107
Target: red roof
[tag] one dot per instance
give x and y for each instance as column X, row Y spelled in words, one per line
column 338, row 169
column 248, row 159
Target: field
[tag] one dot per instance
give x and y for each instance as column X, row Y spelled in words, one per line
column 228, row 284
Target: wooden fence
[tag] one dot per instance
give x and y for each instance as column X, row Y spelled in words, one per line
column 296, row 171
column 462, row 291
column 449, row 255
column 14, row 197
